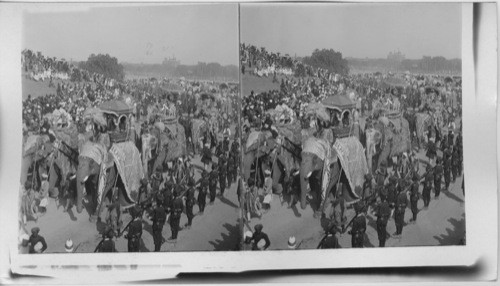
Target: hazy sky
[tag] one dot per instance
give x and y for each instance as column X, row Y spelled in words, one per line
column 356, row 30
column 148, row 34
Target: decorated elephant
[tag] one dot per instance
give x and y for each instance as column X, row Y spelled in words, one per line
column 198, row 128
column 386, row 138
column 324, row 166
column 164, row 143
column 100, row 170
column 64, row 157
column 36, row 150
column 278, row 150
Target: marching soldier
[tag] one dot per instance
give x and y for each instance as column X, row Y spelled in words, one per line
column 392, row 191
column 107, row 244
column 222, row 170
column 381, row 174
column 383, row 212
column 206, row 157
column 219, row 150
column 212, row 184
column 358, row 226
column 426, row 192
column 175, row 216
column 202, row 192
column 438, row 174
column 190, row 204
column 455, row 164
column 134, row 230
column 399, row 213
column 159, row 219
column 168, row 196
column 229, row 172
column 447, row 168
column 414, row 197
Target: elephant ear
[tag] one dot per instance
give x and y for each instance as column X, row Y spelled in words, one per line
column 316, row 146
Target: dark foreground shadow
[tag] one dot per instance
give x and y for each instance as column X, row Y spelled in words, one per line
column 228, row 202
column 455, row 235
column 229, row 241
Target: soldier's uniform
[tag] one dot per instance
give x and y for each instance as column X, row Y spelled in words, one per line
column 358, row 227
column 168, row 196
column 222, row 174
column 175, row 217
column 455, row 164
column 447, row 168
column 383, row 212
column 219, row 150
column 107, row 244
column 399, row 213
column 134, row 231
column 159, row 219
column 202, row 192
column 414, row 196
column 206, row 157
column 438, row 175
column 212, row 184
column 391, row 191
column 190, row 201
column 230, row 174
column 426, row 192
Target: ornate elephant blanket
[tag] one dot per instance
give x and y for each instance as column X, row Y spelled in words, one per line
column 175, row 140
column 128, row 163
column 400, row 130
column 352, row 157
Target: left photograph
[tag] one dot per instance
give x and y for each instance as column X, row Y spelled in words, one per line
column 130, row 134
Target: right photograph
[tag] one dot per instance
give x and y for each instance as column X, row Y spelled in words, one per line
column 351, row 126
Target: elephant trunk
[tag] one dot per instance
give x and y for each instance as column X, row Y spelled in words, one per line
column 81, row 178
column 306, row 170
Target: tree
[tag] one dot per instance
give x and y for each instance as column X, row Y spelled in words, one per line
column 105, row 65
column 328, row 59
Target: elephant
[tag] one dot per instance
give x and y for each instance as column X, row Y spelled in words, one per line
column 94, row 162
column 280, row 154
column 159, row 147
column 198, row 129
column 36, row 150
column 386, row 138
column 345, row 165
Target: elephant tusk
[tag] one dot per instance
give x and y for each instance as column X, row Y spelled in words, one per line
column 308, row 175
column 85, row 179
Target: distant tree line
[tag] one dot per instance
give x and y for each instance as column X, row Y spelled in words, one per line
column 209, row 71
column 424, row 65
column 103, row 64
column 328, row 59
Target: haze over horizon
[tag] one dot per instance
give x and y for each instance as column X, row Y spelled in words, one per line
column 356, row 30
column 137, row 34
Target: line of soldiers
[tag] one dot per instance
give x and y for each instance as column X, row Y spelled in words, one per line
column 392, row 198
column 167, row 195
